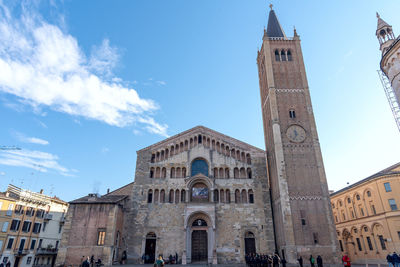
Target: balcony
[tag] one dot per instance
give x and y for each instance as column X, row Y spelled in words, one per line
column 21, row 252
column 46, row 251
column 48, row 216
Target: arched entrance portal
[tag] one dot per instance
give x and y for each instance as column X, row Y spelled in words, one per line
column 150, row 248
column 199, row 241
column 249, row 243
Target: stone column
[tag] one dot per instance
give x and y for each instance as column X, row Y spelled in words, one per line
column 363, row 242
column 376, row 246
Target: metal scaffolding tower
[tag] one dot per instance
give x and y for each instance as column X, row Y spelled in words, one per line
column 393, row 102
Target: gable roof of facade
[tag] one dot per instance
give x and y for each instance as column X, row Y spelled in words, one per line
column 202, row 130
column 392, row 170
column 94, row 199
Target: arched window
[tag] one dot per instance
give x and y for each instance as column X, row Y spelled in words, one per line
column 243, row 157
column 195, row 140
column 158, row 172
column 292, row 113
column 172, row 150
column 226, row 172
column 162, row 154
column 164, row 173
column 348, row 200
column 151, row 172
column 162, row 196
column 251, row 196
column 237, row 196
column 191, row 142
column 156, row 194
column 289, row 55
column 200, row 139
column 150, row 196
column 166, row 153
column 215, row 172
column 199, row 166
column 358, row 197
column 236, row 173
column 244, row 196
column 199, row 193
column 249, row 173
column 242, row 173
column 181, row 147
column 172, row 175
column 171, row 196
column 369, row 193
column 227, row 196
column 216, row 195
column 277, row 57
column 153, row 157
column 233, row 153
column 177, row 196
column 183, row 172
column 186, row 145
column 178, row 173
column 283, row 55
column 222, row 195
column 221, row 173
column 248, row 159
column 158, row 156
column 183, row 196
column 237, row 154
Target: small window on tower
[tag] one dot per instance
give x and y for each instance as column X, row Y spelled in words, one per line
column 283, row 55
column 277, row 57
column 292, row 114
column 289, row 55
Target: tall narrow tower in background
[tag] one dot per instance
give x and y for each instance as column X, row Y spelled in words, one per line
column 390, row 65
column 300, row 198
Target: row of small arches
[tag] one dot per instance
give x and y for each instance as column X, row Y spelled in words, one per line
column 178, row 172
column 219, row 196
column 237, row 173
column 197, row 140
column 224, row 196
column 174, row 196
column 283, row 55
column 353, row 199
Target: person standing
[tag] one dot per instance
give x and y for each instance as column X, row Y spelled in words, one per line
column 389, row 259
column 319, row 261
column 160, row 261
column 276, row 260
column 395, row 259
column 123, row 258
column 300, row 260
column 283, row 262
column 312, row 261
column 86, row 262
column 8, row 264
column 92, row 261
column 346, row 261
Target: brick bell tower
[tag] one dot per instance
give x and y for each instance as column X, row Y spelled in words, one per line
column 302, row 213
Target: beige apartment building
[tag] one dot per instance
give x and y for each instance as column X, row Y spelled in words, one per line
column 32, row 225
column 367, row 217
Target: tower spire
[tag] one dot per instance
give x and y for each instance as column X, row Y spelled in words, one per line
column 274, row 28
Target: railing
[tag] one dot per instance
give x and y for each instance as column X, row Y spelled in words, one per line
column 21, row 251
column 46, row 251
column 48, row 216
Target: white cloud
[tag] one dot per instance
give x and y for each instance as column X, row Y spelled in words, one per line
column 2, row 173
column 37, row 160
column 45, row 67
column 32, row 140
column 105, row 150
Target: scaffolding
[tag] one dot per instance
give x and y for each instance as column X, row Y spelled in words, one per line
column 391, row 96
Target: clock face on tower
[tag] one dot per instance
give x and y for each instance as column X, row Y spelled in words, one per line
column 296, row 133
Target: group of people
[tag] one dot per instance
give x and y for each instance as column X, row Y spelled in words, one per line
column 160, row 261
column 6, row 264
column 393, row 260
column 263, row 260
column 89, row 262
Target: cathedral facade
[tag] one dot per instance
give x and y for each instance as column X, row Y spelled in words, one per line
column 207, row 197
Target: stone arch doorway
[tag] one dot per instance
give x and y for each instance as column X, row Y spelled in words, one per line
column 199, row 241
column 249, row 243
column 200, row 238
column 150, row 248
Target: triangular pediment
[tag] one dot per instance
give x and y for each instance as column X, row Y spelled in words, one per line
column 199, row 135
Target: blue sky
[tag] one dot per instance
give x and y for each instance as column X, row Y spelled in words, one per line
column 85, row 84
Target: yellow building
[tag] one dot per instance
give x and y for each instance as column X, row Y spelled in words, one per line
column 7, row 205
column 31, row 227
column 367, row 217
